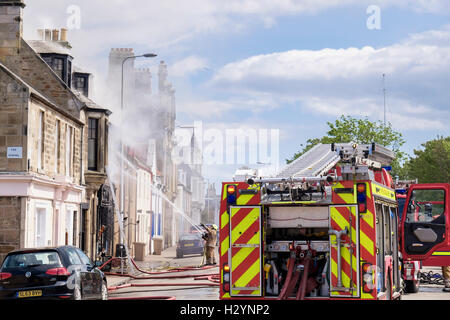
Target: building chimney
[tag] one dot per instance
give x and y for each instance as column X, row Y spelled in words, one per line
column 162, row 77
column 10, row 27
column 48, row 35
column 40, row 33
column 55, row 35
column 63, row 34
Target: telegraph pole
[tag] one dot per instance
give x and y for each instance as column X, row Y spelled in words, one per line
column 384, row 99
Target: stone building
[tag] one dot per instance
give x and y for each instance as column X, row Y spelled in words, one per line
column 53, row 142
column 212, row 205
column 153, row 117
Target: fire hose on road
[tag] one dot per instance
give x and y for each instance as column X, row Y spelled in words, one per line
column 212, row 278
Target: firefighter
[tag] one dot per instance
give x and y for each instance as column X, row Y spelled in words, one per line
column 446, row 276
column 211, row 238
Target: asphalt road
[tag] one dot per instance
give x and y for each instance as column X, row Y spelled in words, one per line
column 191, row 291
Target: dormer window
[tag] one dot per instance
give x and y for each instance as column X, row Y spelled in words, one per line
column 81, row 83
column 58, row 67
column 61, row 65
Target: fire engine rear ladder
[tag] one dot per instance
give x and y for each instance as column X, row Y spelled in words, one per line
column 314, row 163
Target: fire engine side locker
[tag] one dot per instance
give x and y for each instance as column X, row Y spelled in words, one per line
column 344, row 222
column 244, row 254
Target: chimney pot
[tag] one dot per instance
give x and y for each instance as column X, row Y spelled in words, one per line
column 55, row 35
column 40, row 34
column 63, row 34
column 48, row 35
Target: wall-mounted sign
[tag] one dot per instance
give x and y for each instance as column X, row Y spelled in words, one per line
column 14, row 153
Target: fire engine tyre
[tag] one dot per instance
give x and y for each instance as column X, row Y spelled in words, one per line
column 179, row 255
column 412, row 286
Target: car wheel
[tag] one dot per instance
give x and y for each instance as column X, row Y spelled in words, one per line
column 104, row 291
column 77, row 292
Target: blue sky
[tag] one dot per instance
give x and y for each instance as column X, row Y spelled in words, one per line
column 290, row 65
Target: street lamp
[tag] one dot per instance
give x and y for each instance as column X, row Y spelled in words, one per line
column 122, row 193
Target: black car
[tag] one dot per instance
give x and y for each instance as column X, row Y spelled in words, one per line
column 51, row 273
column 189, row 243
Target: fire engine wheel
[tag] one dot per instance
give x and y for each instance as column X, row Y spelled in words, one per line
column 412, row 286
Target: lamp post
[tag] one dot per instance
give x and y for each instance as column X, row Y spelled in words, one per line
column 122, row 187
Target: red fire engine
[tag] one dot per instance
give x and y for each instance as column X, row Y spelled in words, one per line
column 326, row 227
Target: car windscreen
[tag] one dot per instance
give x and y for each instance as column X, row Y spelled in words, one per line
column 32, row 259
column 189, row 237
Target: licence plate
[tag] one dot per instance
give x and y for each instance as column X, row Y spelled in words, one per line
column 28, row 294
column 189, row 245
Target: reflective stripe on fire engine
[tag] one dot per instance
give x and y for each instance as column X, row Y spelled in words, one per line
column 245, row 253
column 366, row 228
column 345, row 197
column 245, row 199
column 441, row 253
column 383, row 192
column 340, row 217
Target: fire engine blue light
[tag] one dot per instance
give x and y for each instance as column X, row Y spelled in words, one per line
column 361, row 197
column 387, row 168
column 231, row 199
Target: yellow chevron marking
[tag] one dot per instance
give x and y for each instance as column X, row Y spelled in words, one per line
column 224, row 246
column 348, row 198
column 247, row 276
column 224, row 192
column 366, row 242
column 342, row 222
column 240, row 256
column 368, row 191
column 242, row 200
column 244, row 224
column 224, row 219
column 368, row 217
column 345, row 278
column 366, row 295
column 255, row 239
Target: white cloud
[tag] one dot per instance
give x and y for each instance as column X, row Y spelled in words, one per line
column 159, row 24
column 403, row 114
column 349, row 81
column 187, row 66
column 214, row 108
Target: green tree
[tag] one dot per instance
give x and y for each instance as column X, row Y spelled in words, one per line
column 432, row 164
column 363, row 131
